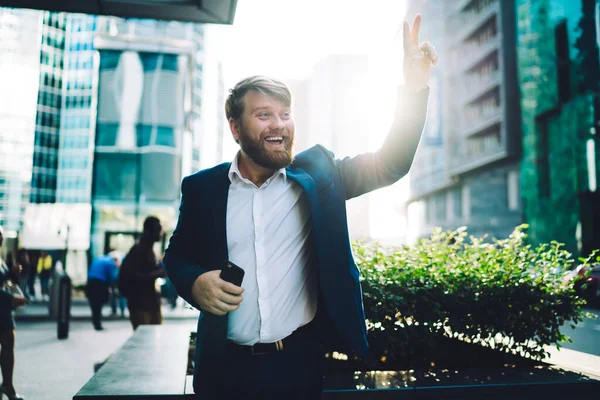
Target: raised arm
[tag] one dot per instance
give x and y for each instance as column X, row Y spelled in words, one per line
column 370, row 171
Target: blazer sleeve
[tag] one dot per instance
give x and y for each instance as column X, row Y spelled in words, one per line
column 370, row 171
column 179, row 261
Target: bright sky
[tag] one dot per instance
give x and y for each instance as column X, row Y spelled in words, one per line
column 286, row 38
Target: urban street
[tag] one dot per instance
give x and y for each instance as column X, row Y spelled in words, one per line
column 51, row 369
column 414, row 182
column 47, row 368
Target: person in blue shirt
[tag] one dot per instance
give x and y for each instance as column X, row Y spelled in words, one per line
column 100, row 276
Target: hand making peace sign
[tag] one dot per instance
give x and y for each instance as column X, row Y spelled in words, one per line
column 418, row 59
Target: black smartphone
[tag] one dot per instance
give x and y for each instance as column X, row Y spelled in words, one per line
column 232, row 273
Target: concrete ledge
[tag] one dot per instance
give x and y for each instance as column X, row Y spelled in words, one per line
column 152, row 364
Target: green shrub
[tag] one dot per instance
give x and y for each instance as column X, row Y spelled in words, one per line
column 504, row 295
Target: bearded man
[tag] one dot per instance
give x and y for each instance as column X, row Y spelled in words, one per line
column 282, row 219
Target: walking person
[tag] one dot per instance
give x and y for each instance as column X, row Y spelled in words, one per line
column 99, row 279
column 137, row 279
column 30, row 279
column 18, row 262
column 116, row 299
column 44, row 271
column 9, row 299
column 282, row 219
column 22, row 258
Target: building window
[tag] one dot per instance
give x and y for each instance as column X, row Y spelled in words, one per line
column 591, row 164
column 466, row 201
column 542, row 160
column 456, row 196
column 513, row 190
column 562, row 61
column 440, row 207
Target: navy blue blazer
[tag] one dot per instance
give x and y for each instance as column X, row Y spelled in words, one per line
column 199, row 242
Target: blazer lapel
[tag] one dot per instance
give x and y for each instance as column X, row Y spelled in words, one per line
column 309, row 186
column 219, row 204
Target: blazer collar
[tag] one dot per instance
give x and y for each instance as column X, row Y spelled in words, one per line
column 309, row 186
column 220, row 192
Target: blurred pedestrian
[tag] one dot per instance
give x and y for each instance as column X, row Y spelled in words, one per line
column 30, row 280
column 116, row 299
column 138, row 276
column 9, row 299
column 100, row 276
column 44, row 271
column 22, row 262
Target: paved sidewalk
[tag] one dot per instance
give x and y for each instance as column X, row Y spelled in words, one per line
column 574, row 361
column 50, row 369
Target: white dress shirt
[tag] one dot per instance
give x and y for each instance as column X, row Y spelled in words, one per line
column 268, row 235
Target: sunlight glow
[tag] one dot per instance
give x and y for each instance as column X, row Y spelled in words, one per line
column 286, row 39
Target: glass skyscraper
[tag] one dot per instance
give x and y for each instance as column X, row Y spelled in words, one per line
column 78, row 111
column 47, row 127
column 149, row 102
column 559, row 66
column 119, row 95
column 20, row 43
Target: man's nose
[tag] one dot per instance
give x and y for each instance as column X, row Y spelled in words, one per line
column 277, row 122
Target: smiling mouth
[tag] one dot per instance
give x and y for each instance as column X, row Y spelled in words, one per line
column 274, row 140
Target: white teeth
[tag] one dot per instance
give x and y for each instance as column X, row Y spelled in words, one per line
column 274, row 138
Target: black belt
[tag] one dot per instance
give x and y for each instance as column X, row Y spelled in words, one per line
column 260, row 349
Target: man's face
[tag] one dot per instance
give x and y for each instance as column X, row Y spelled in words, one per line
column 265, row 131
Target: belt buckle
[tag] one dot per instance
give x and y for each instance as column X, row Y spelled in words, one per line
column 256, row 353
column 278, row 347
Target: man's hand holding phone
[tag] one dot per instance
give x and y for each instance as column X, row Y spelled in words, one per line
column 216, row 295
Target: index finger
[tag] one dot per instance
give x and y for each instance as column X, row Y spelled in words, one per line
column 405, row 35
column 414, row 33
column 231, row 288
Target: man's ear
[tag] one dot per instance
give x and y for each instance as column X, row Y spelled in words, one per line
column 234, row 126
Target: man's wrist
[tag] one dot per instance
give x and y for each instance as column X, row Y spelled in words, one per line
column 410, row 88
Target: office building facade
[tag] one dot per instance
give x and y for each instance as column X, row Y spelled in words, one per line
column 466, row 171
column 559, row 76
column 110, row 103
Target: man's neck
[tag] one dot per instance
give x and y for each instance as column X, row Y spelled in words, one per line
column 252, row 171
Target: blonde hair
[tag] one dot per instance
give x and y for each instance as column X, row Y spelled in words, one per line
column 234, row 106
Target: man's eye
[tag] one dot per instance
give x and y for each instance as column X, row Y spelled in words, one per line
column 263, row 115
column 287, row 115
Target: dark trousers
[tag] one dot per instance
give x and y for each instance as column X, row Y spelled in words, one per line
column 45, row 283
column 97, row 294
column 31, row 284
column 294, row 373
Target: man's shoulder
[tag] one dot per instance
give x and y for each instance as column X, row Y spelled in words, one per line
column 208, row 173
column 314, row 155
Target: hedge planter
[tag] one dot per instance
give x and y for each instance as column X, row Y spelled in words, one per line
column 459, row 301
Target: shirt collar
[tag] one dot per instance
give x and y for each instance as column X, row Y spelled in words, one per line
column 235, row 171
